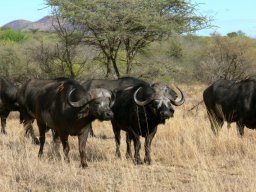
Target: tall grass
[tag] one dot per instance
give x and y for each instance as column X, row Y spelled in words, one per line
column 186, row 157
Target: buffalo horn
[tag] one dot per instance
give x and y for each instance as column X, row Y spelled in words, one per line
column 79, row 103
column 181, row 101
column 141, row 103
column 113, row 98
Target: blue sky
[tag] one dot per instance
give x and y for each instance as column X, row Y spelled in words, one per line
column 31, row 10
column 229, row 15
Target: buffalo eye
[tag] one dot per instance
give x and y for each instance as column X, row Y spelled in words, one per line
column 97, row 103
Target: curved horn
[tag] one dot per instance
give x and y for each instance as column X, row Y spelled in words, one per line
column 181, row 101
column 79, row 103
column 141, row 103
column 113, row 98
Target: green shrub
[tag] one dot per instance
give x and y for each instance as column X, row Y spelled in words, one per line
column 9, row 35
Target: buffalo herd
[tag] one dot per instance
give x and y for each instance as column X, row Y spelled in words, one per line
column 69, row 107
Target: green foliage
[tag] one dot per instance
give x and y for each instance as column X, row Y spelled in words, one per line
column 129, row 25
column 185, row 59
column 176, row 50
column 236, row 34
column 12, row 63
column 9, row 35
column 227, row 58
column 232, row 34
column 8, row 60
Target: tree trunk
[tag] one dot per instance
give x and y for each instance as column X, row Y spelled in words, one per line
column 72, row 74
column 108, row 67
column 115, row 68
column 129, row 59
column 128, row 65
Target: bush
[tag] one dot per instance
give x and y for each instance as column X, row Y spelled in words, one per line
column 226, row 58
column 9, row 35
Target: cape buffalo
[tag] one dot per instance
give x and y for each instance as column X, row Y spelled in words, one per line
column 65, row 107
column 112, row 85
column 7, row 101
column 231, row 101
column 138, row 109
column 124, row 82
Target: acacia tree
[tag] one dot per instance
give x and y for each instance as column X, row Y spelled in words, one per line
column 62, row 57
column 109, row 25
column 66, row 51
column 158, row 20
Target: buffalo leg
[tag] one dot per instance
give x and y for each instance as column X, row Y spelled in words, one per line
column 30, row 131
column 55, row 143
column 137, row 146
column 213, row 124
column 216, row 123
column 42, row 130
column 148, row 141
column 117, row 139
column 82, row 139
column 3, row 123
column 64, row 141
column 240, row 128
column 128, row 145
column 91, row 130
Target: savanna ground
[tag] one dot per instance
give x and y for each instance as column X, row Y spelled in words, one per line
column 187, row 157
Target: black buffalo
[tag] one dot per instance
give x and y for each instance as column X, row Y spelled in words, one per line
column 138, row 109
column 65, row 107
column 112, row 85
column 124, row 82
column 7, row 101
column 231, row 101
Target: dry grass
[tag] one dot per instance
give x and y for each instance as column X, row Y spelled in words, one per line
column 187, row 157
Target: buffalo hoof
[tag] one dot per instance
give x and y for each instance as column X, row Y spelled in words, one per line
column 84, row 166
column 118, row 154
column 147, row 161
column 92, row 134
column 138, row 162
column 40, row 155
column 66, row 159
column 4, row 132
column 35, row 141
column 128, row 156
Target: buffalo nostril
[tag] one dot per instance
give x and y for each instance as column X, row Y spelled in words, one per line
column 165, row 113
column 109, row 114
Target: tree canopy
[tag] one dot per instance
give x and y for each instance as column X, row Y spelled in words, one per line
column 129, row 25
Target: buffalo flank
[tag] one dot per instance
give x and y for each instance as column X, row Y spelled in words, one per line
column 231, row 101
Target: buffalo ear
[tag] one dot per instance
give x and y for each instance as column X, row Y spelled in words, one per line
column 84, row 112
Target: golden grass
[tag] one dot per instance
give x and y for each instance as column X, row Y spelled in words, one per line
column 186, row 157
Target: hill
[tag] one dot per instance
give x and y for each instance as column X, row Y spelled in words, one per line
column 17, row 24
column 44, row 24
